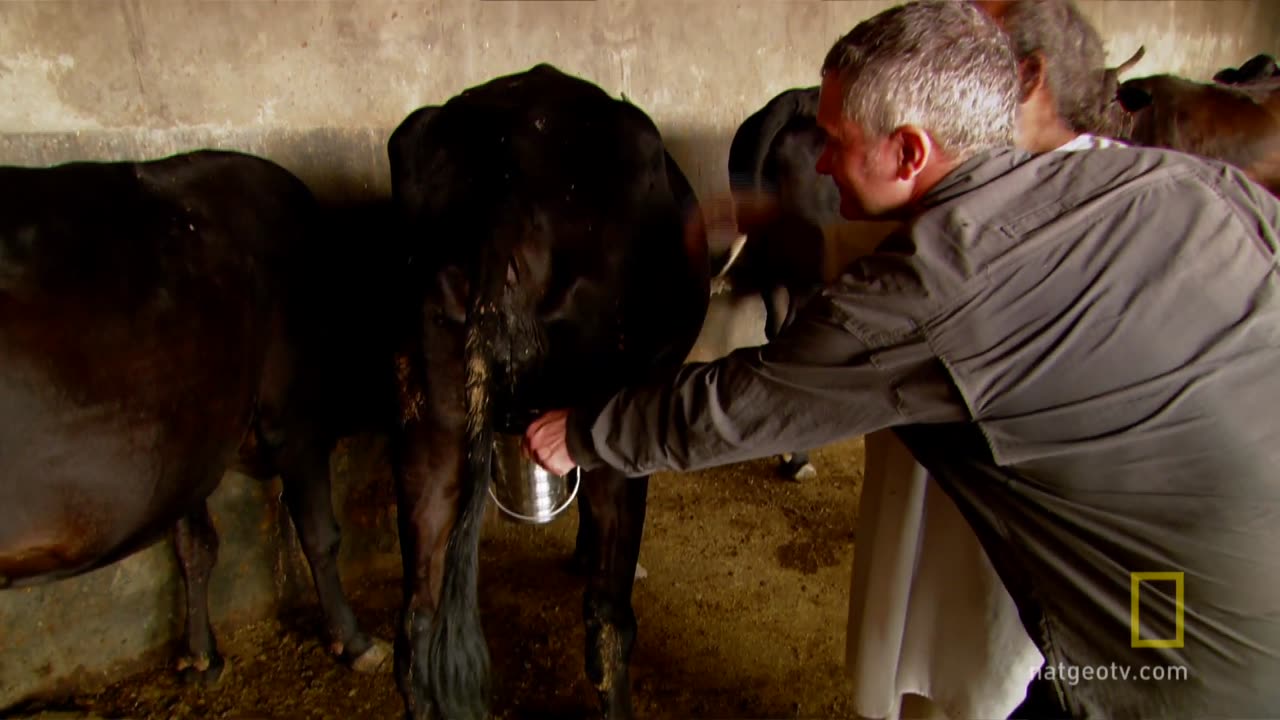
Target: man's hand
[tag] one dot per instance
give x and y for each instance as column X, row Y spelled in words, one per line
column 544, row 442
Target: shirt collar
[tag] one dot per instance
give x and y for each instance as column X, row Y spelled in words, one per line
column 975, row 172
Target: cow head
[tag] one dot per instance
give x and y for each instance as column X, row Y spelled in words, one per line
column 1259, row 68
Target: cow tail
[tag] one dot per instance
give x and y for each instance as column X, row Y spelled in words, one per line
column 458, row 657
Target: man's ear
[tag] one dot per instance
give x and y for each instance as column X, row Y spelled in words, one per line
column 1031, row 75
column 914, row 147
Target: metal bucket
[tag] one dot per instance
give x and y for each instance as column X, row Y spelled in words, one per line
column 525, row 491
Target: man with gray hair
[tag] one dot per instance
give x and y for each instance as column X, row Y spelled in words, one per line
column 1080, row 347
column 928, row 614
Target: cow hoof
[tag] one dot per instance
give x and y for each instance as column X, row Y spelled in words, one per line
column 796, row 469
column 375, row 659
column 807, row 472
column 201, row 670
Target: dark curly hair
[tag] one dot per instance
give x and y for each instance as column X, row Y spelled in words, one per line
column 1074, row 58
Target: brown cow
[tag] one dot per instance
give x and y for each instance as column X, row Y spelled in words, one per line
column 1237, row 124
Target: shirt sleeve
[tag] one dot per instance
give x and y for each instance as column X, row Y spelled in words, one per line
column 817, row 383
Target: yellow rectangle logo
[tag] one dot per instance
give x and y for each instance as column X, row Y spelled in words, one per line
column 1135, row 591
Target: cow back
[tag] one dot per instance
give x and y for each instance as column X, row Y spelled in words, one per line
column 775, row 152
column 575, row 191
column 137, row 305
column 1235, row 124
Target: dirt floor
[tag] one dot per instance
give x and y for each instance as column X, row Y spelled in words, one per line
column 742, row 615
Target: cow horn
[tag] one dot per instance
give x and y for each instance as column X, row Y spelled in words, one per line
column 1128, row 64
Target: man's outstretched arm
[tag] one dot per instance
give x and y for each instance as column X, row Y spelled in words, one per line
column 817, row 383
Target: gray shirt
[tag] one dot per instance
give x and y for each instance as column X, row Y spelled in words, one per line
column 1084, row 350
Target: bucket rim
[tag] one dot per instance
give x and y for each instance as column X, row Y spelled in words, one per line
column 549, row 517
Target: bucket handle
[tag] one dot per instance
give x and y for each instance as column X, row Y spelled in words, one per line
column 577, row 483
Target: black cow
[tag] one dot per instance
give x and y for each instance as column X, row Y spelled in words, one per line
column 153, row 330
column 774, row 153
column 545, row 221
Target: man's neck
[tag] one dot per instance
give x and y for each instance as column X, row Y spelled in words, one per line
column 947, row 177
column 938, row 168
column 1048, row 135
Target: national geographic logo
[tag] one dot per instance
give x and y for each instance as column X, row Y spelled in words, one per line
column 1135, row 595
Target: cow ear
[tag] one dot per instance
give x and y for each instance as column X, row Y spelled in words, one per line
column 454, row 290
column 1132, row 98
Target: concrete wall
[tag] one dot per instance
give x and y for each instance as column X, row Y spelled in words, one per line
column 318, row 86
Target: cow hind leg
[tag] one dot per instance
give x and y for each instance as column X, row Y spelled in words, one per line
column 584, row 547
column 307, row 494
column 586, row 551
column 441, row 659
column 615, row 517
column 777, row 302
column 196, row 543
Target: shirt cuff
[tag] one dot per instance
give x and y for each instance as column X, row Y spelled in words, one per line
column 578, row 440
